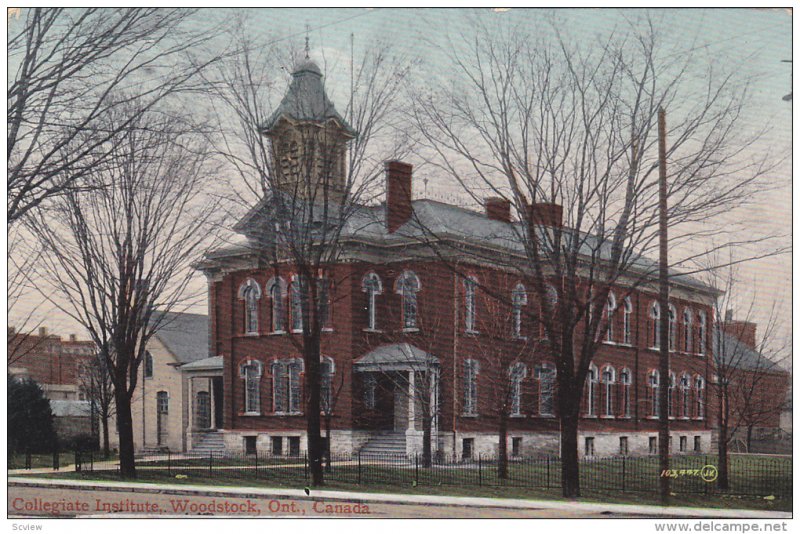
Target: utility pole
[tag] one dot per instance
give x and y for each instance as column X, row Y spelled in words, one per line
column 663, row 299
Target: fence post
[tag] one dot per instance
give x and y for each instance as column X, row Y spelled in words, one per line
column 359, row 468
column 256, row 464
column 28, row 459
column 305, row 464
column 210, row 462
column 91, row 461
column 547, row 473
column 169, row 462
column 623, row 473
column 56, row 463
column 416, row 469
column 480, row 472
column 77, row 460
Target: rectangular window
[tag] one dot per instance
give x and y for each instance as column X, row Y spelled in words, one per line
column 682, row 443
column 516, row 447
column 250, row 444
column 698, row 447
column 277, row 445
column 653, row 445
column 467, row 445
column 469, row 304
column 294, row 445
column 623, row 445
column 588, row 448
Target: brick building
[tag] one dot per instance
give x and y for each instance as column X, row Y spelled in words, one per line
column 398, row 315
column 52, row 362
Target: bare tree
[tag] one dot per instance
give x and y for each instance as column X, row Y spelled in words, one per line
column 748, row 384
column 545, row 124
column 67, row 68
column 113, row 254
column 309, row 172
column 98, row 386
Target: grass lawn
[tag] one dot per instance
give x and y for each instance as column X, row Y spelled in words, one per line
column 601, row 480
column 17, row 461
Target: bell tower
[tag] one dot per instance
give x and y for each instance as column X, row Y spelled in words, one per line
column 309, row 139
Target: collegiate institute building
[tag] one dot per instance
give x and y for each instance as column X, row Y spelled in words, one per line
column 399, row 316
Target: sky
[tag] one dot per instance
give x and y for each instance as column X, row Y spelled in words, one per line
column 752, row 41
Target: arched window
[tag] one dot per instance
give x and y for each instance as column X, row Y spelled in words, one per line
column 701, row 332
column 250, row 293
column 327, row 368
column 609, row 379
column 655, row 329
column 470, row 311
column 671, row 396
column 516, row 374
column 148, row 364
column 653, row 383
column 545, row 374
column 286, row 386
column 471, row 370
column 519, row 298
column 276, row 289
column 611, row 308
column 371, row 285
column 673, row 318
column 591, row 391
column 250, row 372
column 700, row 386
column 297, row 295
column 686, row 389
column 687, row 330
column 407, row 286
column 627, row 310
column 625, row 382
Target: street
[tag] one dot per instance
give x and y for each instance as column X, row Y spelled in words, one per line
column 57, row 502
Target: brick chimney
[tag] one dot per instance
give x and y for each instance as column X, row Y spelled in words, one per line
column 73, row 338
column 498, row 209
column 546, row 214
column 744, row 331
column 398, row 194
column 43, row 331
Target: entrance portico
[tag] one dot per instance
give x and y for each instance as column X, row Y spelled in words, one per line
column 414, row 378
column 203, row 397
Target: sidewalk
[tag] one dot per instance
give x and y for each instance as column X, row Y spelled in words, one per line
column 387, row 498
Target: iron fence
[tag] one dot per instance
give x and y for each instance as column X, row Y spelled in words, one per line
column 693, row 474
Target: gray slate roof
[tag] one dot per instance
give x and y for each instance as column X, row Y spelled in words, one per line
column 433, row 219
column 208, row 364
column 306, row 100
column 395, row 357
column 184, row 334
column 734, row 354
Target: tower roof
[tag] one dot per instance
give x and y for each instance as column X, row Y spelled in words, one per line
column 306, row 100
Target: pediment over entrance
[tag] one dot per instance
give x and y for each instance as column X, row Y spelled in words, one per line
column 396, row 357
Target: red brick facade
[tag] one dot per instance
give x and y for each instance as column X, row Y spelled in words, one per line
column 48, row 359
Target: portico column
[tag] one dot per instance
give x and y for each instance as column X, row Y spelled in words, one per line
column 212, row 416
column 411, row 403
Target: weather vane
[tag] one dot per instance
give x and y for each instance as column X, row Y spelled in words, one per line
column 308, row 29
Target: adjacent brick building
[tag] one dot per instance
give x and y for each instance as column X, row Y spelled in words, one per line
column 399, row 313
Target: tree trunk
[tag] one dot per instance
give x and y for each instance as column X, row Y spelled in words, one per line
column 502, row 460
column 311, row 351
column 749, row 438
column 327, row 443
column 127, row 465
column 426, row 440
column 570, row 475
column 722, row 459
column 106, row 447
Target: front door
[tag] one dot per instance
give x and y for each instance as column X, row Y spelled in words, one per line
column 216, row 384
column 203, row 410
column 162, row 411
